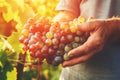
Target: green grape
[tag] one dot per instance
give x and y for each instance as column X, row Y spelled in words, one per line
column 73, row 29
column 65, row 57
column 67, row 48
column 49, row 35
column 77, row 39
column 74, row 45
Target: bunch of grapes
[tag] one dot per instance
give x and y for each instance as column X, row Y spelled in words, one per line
column 50, row 40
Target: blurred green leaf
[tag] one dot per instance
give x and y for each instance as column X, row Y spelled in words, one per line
column 14, row 42
column 9, row 15
column 12, row 75
column 6, row 65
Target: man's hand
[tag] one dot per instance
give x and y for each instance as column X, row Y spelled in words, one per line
column 99, row 33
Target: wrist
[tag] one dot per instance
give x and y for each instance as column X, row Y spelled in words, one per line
column 113, row 25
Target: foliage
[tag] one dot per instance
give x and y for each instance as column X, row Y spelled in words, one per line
column 47, row 72
column 13, row 16
column 12, row 75
column 5, row 63
column 14, row 13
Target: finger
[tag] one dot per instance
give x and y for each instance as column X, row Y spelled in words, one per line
column 89, row 26
column 91, row 44
column 78, row 59
column 85, row 26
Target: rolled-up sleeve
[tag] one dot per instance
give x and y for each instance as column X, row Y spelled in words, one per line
column 69, row 5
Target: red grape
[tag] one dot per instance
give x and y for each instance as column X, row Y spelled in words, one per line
column 22, row 38
column 55, row 41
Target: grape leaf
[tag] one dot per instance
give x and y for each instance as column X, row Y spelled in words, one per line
column 9, row 15
column 4, row 43
column 6, row 65
column 27, row 13
column 1, row 44
column 3, row 57
column 12, row 75
column 1, row 64
column 14, row 41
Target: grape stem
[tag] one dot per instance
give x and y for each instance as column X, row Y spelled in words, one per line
column 20, row 66
column 38, row 68
column 18, row 61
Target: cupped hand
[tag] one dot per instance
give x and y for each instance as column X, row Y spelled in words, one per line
column 99, row 32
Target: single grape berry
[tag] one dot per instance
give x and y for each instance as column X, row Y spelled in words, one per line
column 75, row 45
column 58, row 59
column 49, row 35
column 68, row 47
column 55, row 41
column 70, row 37
column 77, row 39
column 48, row 42
column 66, row 57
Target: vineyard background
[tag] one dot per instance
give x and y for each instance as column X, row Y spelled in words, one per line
column 15, row 64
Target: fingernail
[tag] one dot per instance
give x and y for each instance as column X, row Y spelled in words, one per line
column 63, row 65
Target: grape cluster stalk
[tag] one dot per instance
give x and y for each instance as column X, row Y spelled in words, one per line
column 45, row 39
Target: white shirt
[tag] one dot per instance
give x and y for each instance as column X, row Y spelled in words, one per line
column 91, row 8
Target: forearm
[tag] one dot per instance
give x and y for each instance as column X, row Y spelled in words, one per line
column 65, row 16
column 67, row 10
